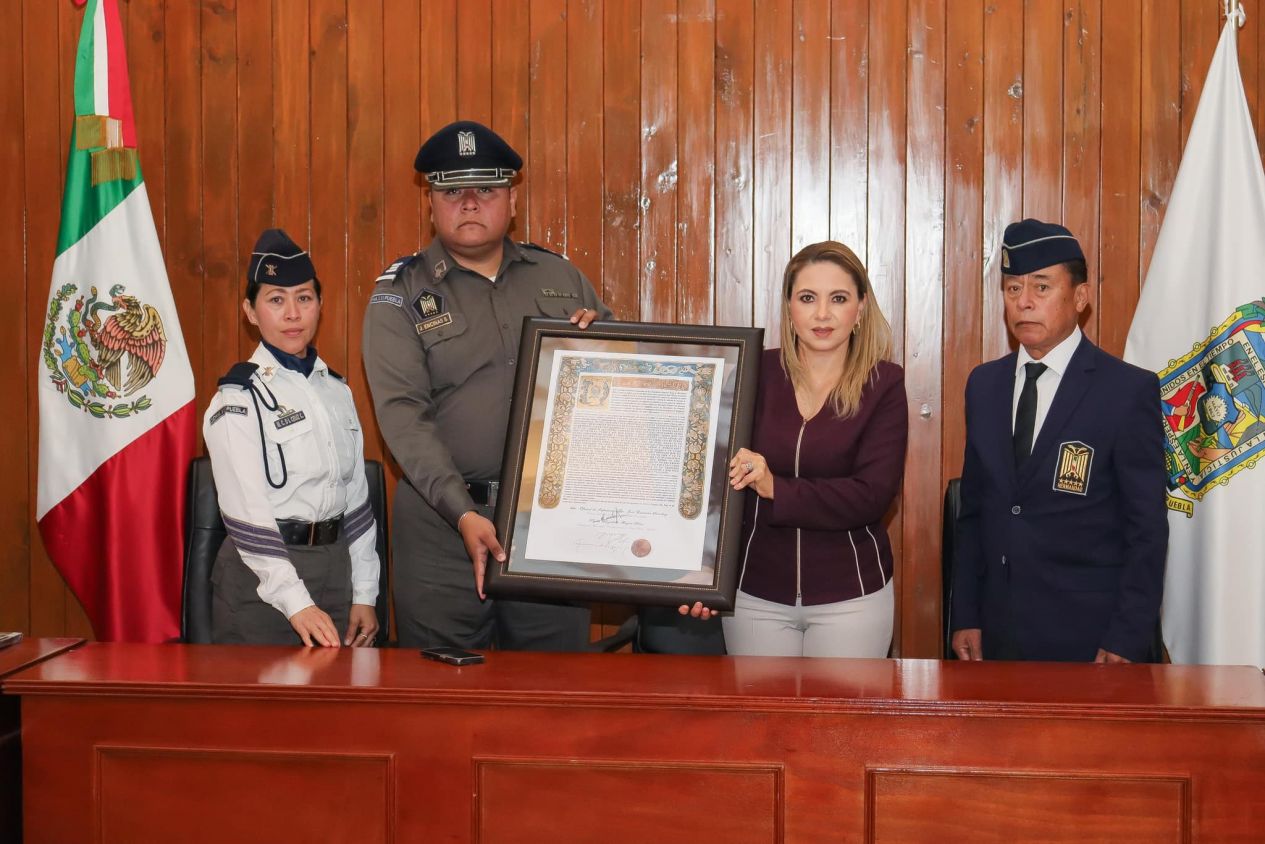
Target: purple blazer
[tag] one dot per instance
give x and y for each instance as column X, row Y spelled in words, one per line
column 822, row 537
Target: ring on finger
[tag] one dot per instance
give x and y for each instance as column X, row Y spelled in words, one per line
column 749, row 466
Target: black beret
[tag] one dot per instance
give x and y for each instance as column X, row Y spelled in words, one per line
column 1031, row 245
column 278, row 260
column 466, row 154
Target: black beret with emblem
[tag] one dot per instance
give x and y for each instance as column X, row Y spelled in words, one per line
column 466, row 154
column 278, row 260
column 1031, row 245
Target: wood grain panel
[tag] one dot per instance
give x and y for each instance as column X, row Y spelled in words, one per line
column 595, row 800
column 209, row 796
column 678, row 150
column 1006, row 807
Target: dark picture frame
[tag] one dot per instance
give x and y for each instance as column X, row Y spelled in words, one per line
column 711, row 579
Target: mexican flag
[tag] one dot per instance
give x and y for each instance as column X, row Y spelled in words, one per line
column 1200, row 324
column 115, row 386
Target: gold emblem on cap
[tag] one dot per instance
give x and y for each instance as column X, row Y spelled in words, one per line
column 270, row 269
column 465, row 143
column 1071, row 472
column 1005, row 258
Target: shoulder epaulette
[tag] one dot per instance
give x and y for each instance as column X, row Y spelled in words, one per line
column 239, row 375
column 336, row 375
column 393, row 269
column 540, row 248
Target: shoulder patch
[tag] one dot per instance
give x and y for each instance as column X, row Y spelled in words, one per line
column 387, row 299
column 394, row 268
column 336, row 375
column 239, row 375
column 228, row 408
column 540, row 248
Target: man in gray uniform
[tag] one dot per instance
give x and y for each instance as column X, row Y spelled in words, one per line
column 440, row 346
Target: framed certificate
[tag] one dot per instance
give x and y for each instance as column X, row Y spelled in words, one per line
column 615, row 478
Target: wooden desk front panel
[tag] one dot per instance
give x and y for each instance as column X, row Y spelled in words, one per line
column 550, row 766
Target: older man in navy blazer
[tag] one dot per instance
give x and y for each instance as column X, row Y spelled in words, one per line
column 1062, row 533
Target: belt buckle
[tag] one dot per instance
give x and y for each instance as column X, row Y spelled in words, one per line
column 311, row 533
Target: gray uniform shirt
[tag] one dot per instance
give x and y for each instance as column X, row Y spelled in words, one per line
column 440, row 352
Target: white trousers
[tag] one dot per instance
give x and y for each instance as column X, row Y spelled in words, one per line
column 861, row 627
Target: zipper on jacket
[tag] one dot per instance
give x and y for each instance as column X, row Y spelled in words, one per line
column 798, row 583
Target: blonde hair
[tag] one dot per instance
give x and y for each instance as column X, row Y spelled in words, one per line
column 871, row 339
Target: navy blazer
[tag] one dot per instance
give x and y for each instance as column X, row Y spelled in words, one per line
column 1065, row 555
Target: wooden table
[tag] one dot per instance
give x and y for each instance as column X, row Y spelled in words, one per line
column 133, row 743
column 24, row 654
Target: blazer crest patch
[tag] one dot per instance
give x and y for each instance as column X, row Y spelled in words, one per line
column 1071, row 470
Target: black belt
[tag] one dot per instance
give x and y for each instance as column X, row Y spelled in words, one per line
column 294, row 532
column 483, row 492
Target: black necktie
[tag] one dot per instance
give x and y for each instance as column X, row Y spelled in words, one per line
column 1026, row 415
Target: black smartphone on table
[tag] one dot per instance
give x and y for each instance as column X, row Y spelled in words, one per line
column 452, row 656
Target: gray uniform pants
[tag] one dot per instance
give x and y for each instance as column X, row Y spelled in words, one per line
column 435, row 601
column 239, row 617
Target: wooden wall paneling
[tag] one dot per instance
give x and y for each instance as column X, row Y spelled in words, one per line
column 919, row 599
column 964, row 221
column 1121, row 103
column 474, row 60
column 659, row 160
column 1042, row 109
column 256, row 148
column 366, row 187
column 1200, row 26
column 438, row 90
column 811, row 95
column 1161, row 104
column 735, row 164
column 22, row 371
column 1082, row 136
column 546, row 153
column 696, row 162
column 1003, row 157
column 511, row 92
column 328, row 174
column 584, row 137
column 291, row 76
column 621, row 157
column 1249, row 63
column 774, row 70
column 888, row 46
column 221, row 314
column 145, row 34
column 849, row 124
column 401, row 75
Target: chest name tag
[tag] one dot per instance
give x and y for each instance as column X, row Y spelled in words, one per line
column 1071, row 470
column 557, row 294
column 431, row 324
column 291, row 418
column 228, row 408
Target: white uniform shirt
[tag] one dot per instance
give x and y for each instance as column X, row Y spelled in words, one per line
column 1056, row 361
column 316, row 427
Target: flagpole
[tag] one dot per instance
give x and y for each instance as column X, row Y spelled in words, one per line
column 1234, row 8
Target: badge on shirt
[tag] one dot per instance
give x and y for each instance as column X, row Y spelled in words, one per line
column 387, row 299
column 286, row 418
column 1071, row 470
column 429, row 307
column 557, row 294
column 228, row 408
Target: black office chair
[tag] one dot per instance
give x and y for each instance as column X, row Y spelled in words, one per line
column 204, row 533
column 663, row 630
column 952, row 506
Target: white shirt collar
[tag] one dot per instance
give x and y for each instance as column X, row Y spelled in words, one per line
column 1057, row 358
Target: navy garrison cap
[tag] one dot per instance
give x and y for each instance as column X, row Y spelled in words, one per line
column 466, row 154
column 1031, row 245
column 278, row 260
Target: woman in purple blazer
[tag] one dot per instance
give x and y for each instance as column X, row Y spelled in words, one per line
column 828, row 452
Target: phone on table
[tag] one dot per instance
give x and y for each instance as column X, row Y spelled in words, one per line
column 453, row 656
column 7, row 639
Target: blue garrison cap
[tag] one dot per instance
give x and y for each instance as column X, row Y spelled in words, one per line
column 278, row 260
column 1031, row 245
column 466, row 154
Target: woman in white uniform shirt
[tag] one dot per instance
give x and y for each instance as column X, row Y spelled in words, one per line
column 300, row 563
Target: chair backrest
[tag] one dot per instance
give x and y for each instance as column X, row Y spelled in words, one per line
column 952, row 506
column 204, row 533
column 663, row 630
